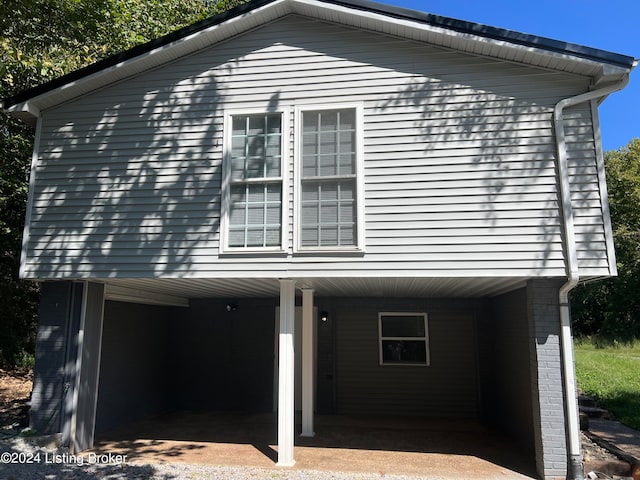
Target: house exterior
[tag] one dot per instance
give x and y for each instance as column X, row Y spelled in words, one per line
column 393, row 204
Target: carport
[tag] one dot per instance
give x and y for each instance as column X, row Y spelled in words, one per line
column 391, row 445
column 189, row 369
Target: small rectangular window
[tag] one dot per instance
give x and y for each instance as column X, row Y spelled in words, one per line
column 404, row 339
column 254, row 172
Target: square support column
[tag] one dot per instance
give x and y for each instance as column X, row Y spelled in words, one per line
column 546, row 375
column 286, row 377
column 85, row 397
column 307, row 363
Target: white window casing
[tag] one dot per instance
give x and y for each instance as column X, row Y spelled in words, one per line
column 251, row 190
column 254, row 182
column 329, row 183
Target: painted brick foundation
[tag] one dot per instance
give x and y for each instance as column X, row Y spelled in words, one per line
column 546, row 377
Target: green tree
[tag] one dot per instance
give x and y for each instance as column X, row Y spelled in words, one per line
column 41, row 40
column 610, row 309
column 18, row 299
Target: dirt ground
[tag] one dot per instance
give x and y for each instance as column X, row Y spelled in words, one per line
column 15, row 389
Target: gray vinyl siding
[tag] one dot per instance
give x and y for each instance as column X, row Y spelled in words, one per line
column 135, row 368
column 158, row 359
column 224, row 360
column 585, row 192
column 447, row 387
column 458, row 161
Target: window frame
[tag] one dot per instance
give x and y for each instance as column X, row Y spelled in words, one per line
column 359, row 179
column 425, row 339
column 227, row 183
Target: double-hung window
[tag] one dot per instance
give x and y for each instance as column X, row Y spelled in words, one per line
column 255, row 184
column 404, row 338
column 328, row 196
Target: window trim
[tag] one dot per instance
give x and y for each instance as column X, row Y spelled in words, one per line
column 425, row 338
column 359, row 173
column 226, row 183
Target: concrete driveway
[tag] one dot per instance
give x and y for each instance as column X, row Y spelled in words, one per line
column 413, row 446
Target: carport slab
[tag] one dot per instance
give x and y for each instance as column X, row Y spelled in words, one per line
column 412, row 446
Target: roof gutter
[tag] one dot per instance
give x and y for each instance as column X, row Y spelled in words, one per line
column 574, row 460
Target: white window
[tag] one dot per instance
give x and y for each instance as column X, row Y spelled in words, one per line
column 254, row 182
column 329, row 208
column 404, row 338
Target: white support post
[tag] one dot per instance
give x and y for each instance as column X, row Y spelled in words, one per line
column 286, row 377
column 307, row 363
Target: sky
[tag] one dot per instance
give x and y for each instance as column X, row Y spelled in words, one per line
column 611, row 25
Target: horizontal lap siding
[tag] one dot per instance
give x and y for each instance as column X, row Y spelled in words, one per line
column 459, row 160
column 447, row 387
column 593, row 258
column 134, row 364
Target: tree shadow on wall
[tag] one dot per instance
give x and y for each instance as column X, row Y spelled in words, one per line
column 489, row 157
column 131, row 184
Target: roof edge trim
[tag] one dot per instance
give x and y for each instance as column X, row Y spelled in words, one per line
column 447, row 23
column 494, row 33
column 132, row 53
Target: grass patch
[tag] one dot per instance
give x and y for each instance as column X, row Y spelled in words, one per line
column 612, row 376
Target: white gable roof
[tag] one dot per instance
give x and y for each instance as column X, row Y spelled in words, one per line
column 445, row 32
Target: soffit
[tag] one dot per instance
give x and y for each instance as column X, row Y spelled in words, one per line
column 397, row 287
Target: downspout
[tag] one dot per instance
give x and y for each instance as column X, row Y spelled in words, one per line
column 574, row 460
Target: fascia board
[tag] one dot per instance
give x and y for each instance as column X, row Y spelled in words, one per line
column 447, row 33
column 151, row 59
column 486, row 31
column 456, row 39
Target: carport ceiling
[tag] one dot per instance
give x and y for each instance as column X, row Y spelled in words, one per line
column 181, row 289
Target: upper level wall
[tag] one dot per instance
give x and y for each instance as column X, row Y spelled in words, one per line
column 586, row 175
column 458, row 161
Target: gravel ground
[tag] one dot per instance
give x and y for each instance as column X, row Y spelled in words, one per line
column 54, row 464
column 20, row 459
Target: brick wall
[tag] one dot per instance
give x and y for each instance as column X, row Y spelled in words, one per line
column 546, row 377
